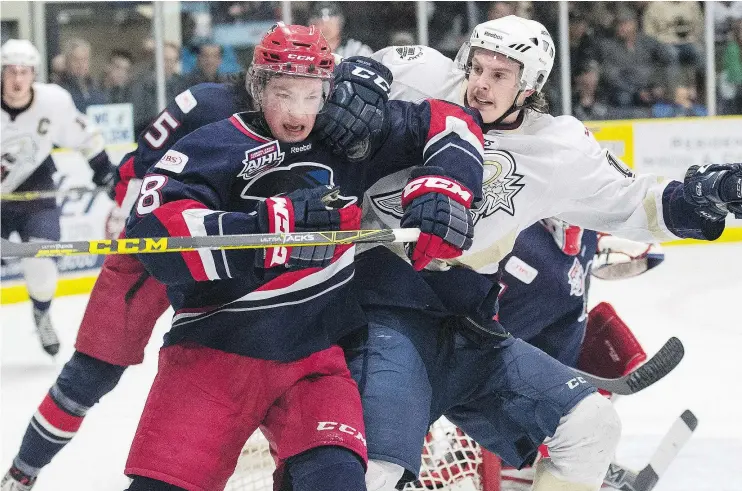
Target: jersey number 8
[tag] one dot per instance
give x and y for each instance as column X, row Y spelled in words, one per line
column 149, row 197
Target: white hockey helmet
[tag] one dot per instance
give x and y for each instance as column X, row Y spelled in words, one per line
column 20, row 52
column 523, row 40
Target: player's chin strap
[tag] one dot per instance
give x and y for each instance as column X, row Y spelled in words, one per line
column 496, row 123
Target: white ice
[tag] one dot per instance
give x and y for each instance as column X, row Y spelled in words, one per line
column 695, row 295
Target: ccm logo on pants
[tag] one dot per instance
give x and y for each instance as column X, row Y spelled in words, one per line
column 332, row 426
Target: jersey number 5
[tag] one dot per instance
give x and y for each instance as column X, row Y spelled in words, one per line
column 160, row 129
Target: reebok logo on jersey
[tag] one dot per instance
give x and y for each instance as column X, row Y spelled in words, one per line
column 173, row 161
column 521, row 270
column 302, row 148
column 260, row 159
column 186, row 101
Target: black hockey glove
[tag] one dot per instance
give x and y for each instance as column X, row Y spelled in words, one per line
column 715, row 190
column 103, row 171
column 353, row 119
column 304, row 210
column 439, row 207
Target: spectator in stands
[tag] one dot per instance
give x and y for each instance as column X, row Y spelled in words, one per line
column 194, row 34
column 498, row 10
column 76, row 79
column 683, row 104
column 630, row 62
column 58, row 68
column 144, row 89
column 402, row 38
column 730, row 85
column 208, row 59
column 585, row 103
column 679, row 25
column 330, row 19
column 117, row 77
column 582, row 45
column 725, row 13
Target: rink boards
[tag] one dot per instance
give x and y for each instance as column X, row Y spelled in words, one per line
column 666, row 147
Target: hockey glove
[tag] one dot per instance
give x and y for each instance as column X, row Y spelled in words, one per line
column 305, row 210
column 439, row 207
column 618, row 258
column 353, row 119
column 103, row 171
column 715, row 189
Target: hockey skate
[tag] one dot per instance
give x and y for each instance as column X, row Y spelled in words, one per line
column 47, row 335
column 16, row 480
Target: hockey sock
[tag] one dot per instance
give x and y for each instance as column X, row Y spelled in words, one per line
column 41, row 305
column 140, row 483
column 83, row 381
column 326, row 469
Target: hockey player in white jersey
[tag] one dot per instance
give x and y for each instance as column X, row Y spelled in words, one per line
column 35, row 117
column 510, row 398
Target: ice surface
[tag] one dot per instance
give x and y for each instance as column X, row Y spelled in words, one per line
column 695, row 295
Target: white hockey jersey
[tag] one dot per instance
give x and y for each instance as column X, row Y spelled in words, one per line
column 548, row 166
column 28, row 138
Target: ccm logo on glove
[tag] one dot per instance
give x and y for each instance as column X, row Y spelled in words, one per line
column 426, row 184
column 280, row 220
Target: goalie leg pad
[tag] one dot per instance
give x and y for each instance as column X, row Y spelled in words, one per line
column 583, row 445
column 609, row 349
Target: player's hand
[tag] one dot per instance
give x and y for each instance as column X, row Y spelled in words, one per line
column 103, row 172
column 305, row 210
column 715, row 189
column 439, row 207
column 354, row 118
column 115, row 222
column 618, row 258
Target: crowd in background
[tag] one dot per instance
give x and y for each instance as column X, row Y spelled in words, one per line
column 627, row 59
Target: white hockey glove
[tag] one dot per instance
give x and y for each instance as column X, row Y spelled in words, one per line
column 618, row 258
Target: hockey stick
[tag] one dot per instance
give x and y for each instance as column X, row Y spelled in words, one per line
column 662, row 363
column 183, row 244
column 619, row 477
column 52, row 193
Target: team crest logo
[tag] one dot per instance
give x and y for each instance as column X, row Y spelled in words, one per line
column 260, row 159
column 501, row 184
column 390, row 203
column 576, row 279
column 300, row 175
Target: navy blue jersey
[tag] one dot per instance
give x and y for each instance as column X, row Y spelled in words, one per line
column 211, row 182
column 538, row 270
column 196, row 107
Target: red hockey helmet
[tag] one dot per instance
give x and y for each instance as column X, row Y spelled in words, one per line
column 291, row 50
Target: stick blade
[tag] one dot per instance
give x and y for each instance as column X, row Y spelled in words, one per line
column 662, row 363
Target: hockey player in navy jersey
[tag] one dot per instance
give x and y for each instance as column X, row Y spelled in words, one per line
column 126, row 301
column 35, row 117
column 413, row 367
column 253, row 337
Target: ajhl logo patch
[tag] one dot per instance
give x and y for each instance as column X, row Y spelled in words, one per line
column 260, row 159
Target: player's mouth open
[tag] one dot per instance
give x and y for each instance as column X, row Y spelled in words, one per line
column 481, row 101
column 293, row 128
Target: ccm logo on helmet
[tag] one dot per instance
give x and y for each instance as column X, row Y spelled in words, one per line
column 427, row 184
column 301, row 57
